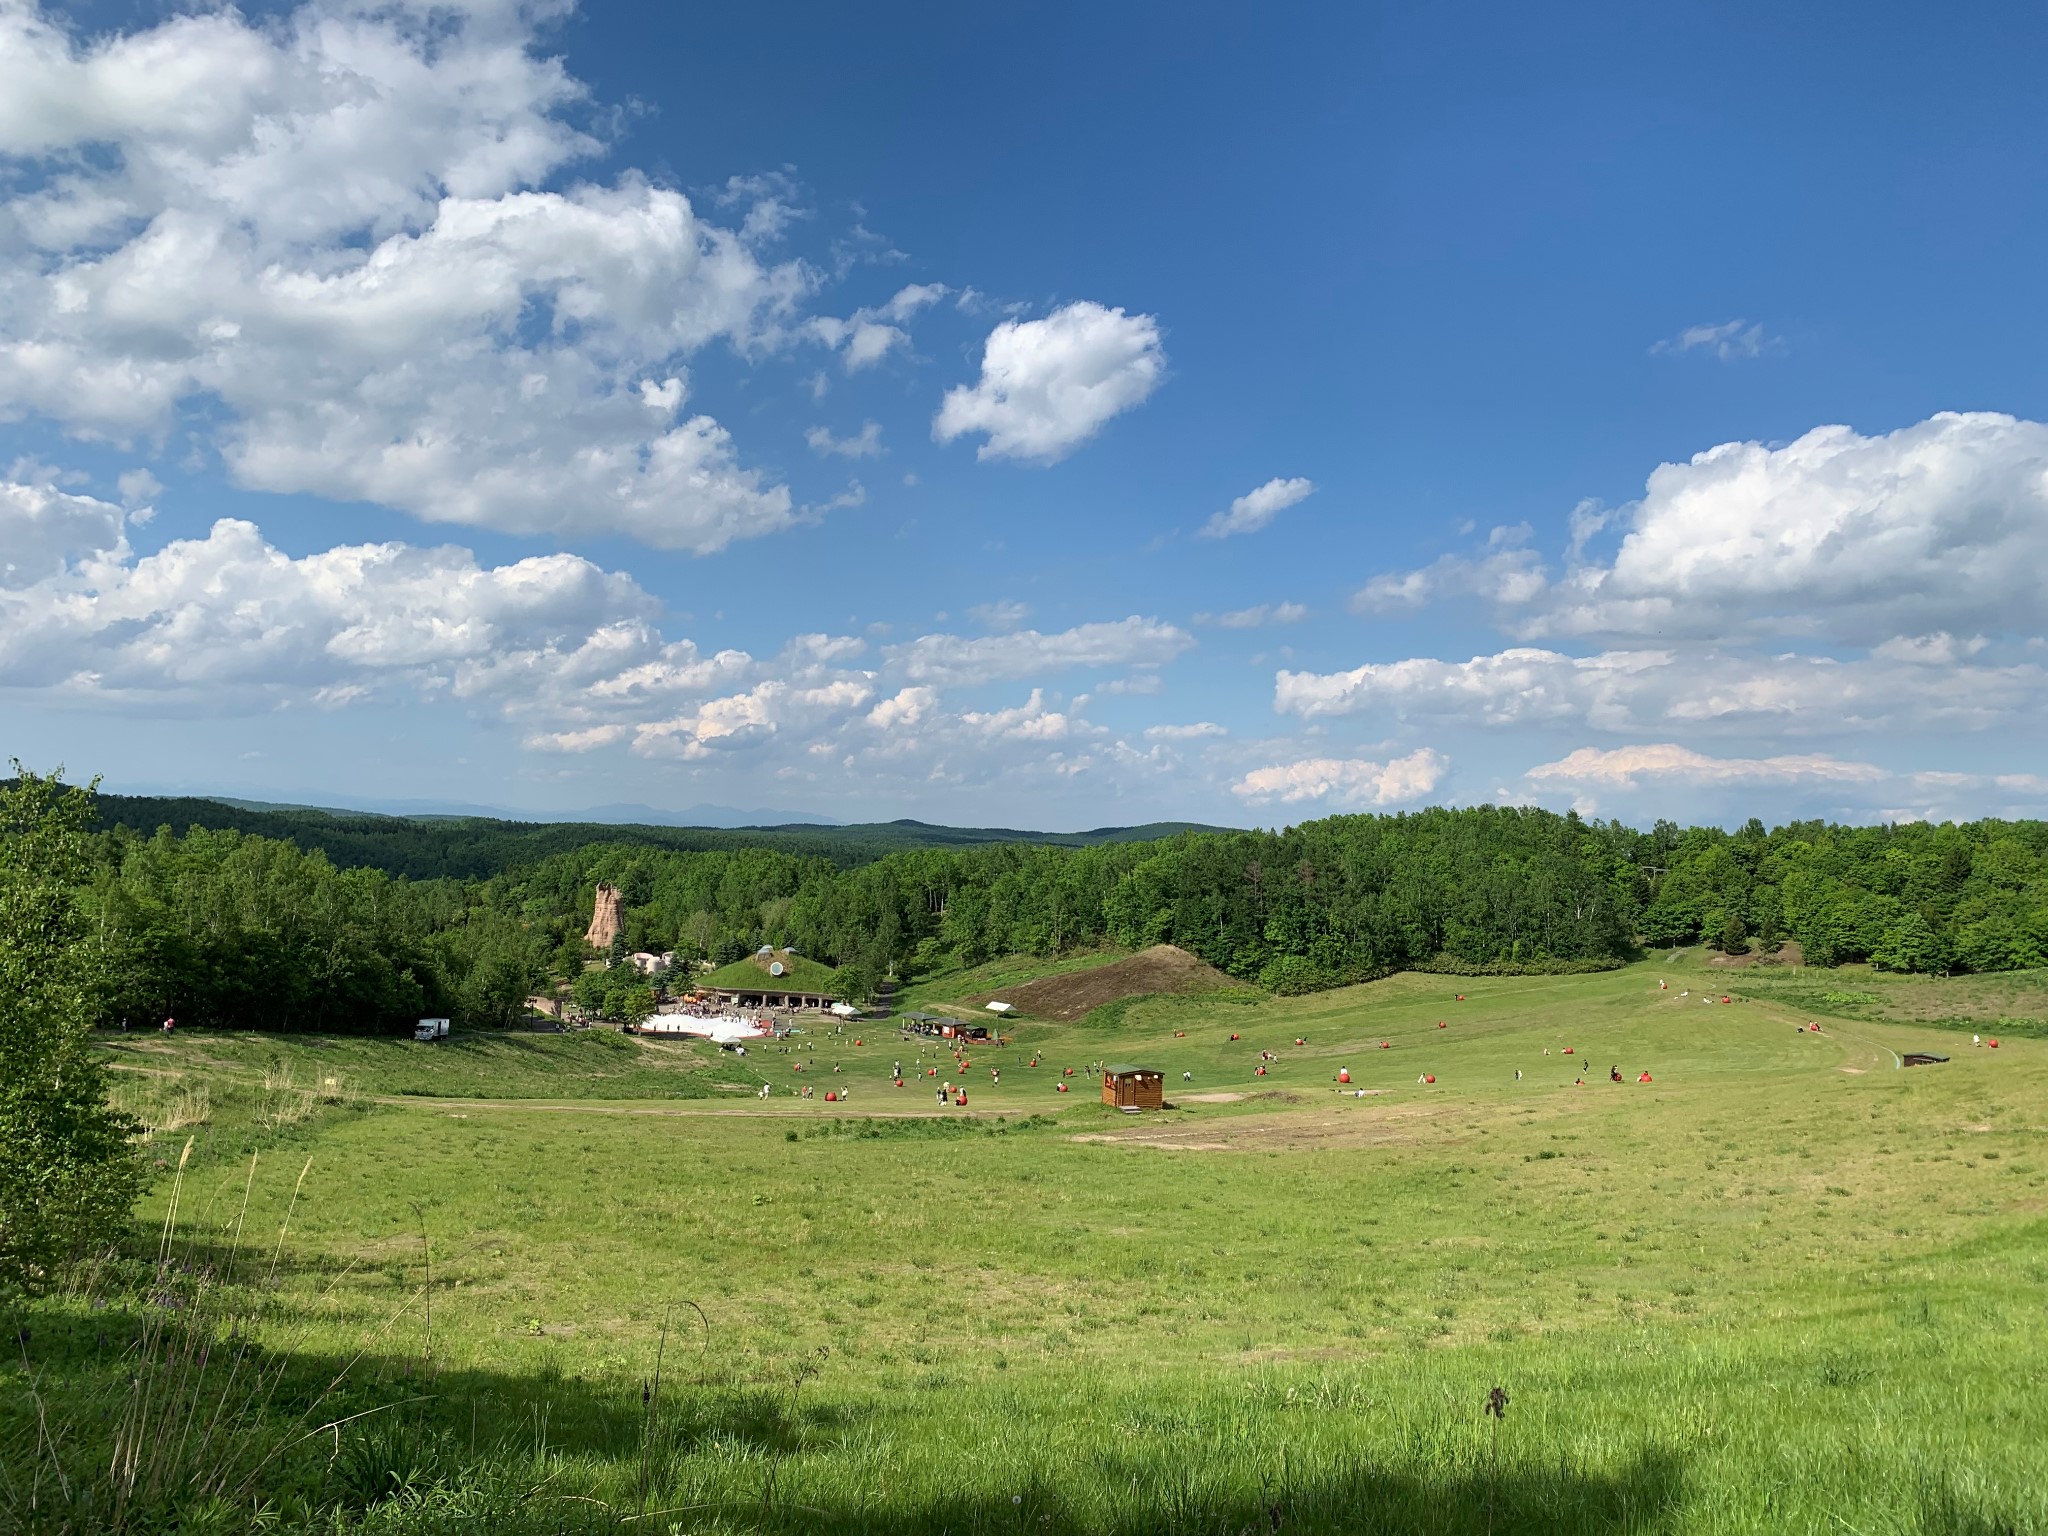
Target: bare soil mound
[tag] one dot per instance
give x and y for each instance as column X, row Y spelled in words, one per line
column 1063, row 999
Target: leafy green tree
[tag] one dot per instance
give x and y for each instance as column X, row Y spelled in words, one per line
column 68, row 1169
column 1911, row 944
column 590, row 991
column 1734, row 936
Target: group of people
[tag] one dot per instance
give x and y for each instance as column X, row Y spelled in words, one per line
column 947, row 1091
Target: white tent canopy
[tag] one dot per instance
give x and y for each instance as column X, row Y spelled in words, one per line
column 1002, row 1007
column 845, row 1010
column 721, row 1031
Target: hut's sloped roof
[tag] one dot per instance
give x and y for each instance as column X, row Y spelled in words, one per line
column 1126, row 1069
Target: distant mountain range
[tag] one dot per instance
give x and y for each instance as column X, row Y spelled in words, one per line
column 724, row 816
column 440, row 839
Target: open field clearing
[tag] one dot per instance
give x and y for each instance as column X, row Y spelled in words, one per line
column 1785, row 1285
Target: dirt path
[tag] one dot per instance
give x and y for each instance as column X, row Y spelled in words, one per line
column 709, row 1109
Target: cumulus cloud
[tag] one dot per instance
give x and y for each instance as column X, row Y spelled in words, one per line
column 1627, row 691
column 1256, row 508
column 748, row 719
column 1630, row 768
column 956, row 659
column 1627, row 767
column 1731, row 341
column 1200, row 730
column 1256, row 617
column 572, row 657
column 332, row 239
column 1340, row 783
column 1049, row 385
column 869, row 335
column 138, row 487
column 228, row 622
column 1940, row 527
column 41, row 527
column 864, row 444
column 1030, row 721
column 1508, row 574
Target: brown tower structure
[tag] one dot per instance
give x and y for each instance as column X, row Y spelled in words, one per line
column 606, row 918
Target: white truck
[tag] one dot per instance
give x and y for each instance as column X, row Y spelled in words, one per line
column 431, row 1029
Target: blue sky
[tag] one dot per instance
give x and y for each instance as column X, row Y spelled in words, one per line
column 1048, row 416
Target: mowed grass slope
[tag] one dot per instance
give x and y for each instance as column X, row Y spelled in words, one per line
column 588, row 1064
column 1785, row 1286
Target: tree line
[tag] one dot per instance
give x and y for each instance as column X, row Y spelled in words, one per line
column 218, row 926
column 475, row 847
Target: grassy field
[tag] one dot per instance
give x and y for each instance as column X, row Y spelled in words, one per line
column 1783, row 1286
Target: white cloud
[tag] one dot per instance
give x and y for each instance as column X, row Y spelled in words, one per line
column 1049, row 385
column 1030, row 721
column 865, row 444
column 1256, row 508
column 571, row 656
column 1256, row 617
column 1627, row 767
column 1137, row 685
column 332, row 236
column 1007, row 613
column 138, row 487
column 1940, row 527
column 868, row 335
column 1912, row 687
column 745, row 720
column 1508, row 573
column 955, row 659
column 1730, row 341
column 1341, row 783
column 1937, row 650
column 41, row 527
column 908, row 709
column 1200, row 730
column 1850, row 787
column 229, row 623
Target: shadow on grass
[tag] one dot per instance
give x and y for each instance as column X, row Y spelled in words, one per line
column 1186, row 1498
column 387, row 1445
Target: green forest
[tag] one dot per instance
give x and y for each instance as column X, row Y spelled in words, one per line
column 223, row 925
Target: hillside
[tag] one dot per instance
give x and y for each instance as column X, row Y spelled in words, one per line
column 1150, row 972
column 477, row 847
column 802, row 975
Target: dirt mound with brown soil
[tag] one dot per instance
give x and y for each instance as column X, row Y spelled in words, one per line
column 1063, row 999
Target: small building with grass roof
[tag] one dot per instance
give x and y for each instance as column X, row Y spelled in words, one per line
column 773, row 978
column 1133, row 1087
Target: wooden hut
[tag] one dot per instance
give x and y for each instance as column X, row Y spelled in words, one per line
column 1134, row 1088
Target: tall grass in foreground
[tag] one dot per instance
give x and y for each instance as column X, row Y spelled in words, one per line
column 202, row 1391
column 203, row 1430
column 188, row 1421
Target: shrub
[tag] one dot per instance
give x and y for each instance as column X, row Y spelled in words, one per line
column 68, row 1170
